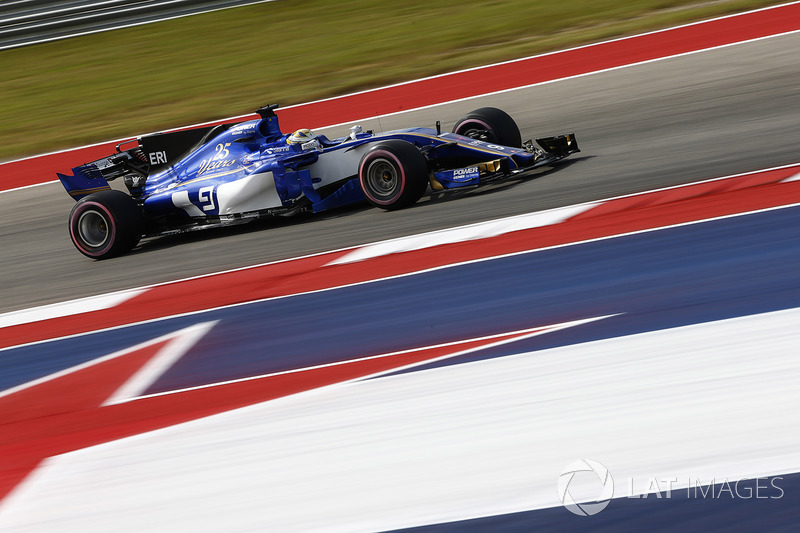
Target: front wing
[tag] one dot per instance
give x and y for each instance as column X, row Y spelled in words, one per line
column 550, row 150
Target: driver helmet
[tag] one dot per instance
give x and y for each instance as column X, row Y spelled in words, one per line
column 301, row 137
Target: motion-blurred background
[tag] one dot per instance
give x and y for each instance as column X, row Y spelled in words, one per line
column 220, row 63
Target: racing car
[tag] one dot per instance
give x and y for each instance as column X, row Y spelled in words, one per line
column 236, row 172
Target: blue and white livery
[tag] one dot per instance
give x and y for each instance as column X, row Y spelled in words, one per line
column 233, row 173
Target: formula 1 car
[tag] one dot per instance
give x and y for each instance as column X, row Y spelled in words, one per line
column 233, row 173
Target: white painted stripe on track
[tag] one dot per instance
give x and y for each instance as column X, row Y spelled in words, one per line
column 15, row 189
column 471, row 232
column 26, row 315
column 72, row 307
column 478, row 439
column 181, row 342
column 352, row 249
column 398, row 276
column 87, row 364
column 556, row 80
column 493, row 228
column 519, row 335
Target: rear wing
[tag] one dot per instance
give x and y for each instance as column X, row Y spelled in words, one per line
column 92, row 177
column 83, row 181
column 151, row 154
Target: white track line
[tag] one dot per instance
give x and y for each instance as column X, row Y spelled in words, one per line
column 72, row 307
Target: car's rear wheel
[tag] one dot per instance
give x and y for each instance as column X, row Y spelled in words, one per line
column 491, row 125
column 105, row 224
column 393, row 174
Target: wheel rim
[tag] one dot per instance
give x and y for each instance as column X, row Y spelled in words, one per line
column 382, row 178
column 93, row 229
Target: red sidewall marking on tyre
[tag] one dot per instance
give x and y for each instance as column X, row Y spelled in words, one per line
column 111, row 224
column 476, row 121
column 402, row 171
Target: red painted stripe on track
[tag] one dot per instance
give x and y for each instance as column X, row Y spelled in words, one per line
column 470, row 83
column 729, row 196
column 554, row 66
column 706, row 188
column 175, row 298
column 67, row 413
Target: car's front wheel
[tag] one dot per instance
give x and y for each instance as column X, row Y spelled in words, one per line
column 491, row 125
column 105, row 224
column 393, row 174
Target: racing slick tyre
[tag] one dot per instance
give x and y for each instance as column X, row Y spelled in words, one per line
column 393, row 174
column 491, row 125
column 106, row 223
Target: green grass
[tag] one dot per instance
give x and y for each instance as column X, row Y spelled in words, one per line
column 205, row 67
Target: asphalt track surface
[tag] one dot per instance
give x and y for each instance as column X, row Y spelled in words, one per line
column 682, row 119
column 666, row 365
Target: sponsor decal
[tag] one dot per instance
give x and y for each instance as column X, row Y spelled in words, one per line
column 243, row 128
column 465, row 174
column 157, row 158
column 277, row 150
column 209, row 166
column 481, row 144
column 220, row 161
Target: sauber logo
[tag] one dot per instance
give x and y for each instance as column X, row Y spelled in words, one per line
column 277, row 150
